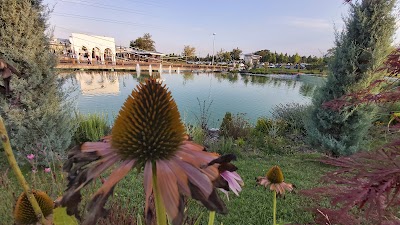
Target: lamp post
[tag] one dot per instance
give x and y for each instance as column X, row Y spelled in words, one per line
column 212, row 63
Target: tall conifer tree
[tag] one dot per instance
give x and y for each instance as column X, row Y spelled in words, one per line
column 360, row 50
column 37, row 115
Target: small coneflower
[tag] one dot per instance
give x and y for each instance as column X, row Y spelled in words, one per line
column 148, row 135
column 23, row 211
column 275, row 180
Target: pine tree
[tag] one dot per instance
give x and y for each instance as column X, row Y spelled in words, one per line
column 360, row 50
column 37, row 115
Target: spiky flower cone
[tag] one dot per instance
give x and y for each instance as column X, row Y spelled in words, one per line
column 148, row 126
column 24, row 213
column 275, row 175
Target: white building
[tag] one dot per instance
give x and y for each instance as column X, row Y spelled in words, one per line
column 91, row 48
column 252, row 59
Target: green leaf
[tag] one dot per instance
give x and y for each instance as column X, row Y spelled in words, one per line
column 198, row 220
column 62, row 218
column 139, row 220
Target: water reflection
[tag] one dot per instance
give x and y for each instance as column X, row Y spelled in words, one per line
column 236, row 93
column 100, row 83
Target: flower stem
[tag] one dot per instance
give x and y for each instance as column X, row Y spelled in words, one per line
column 160, row 208
column 21, row 179
column 211, row 218
column 274, row 207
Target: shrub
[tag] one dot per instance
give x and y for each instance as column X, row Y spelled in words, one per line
column 37, row 111
column 263, row 125
column 91, row 127
column 360, row 49
column 225, row 145
column 293, row 114
column 235, row 126
column 198, row 134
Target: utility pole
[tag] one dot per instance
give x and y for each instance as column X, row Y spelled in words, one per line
column 212, row 63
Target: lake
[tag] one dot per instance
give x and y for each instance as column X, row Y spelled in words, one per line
column 213, row 93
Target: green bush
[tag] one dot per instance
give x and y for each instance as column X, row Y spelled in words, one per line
column 198, row 134
column 293, row 114
column 225, row 145
column 38, row 113
column 263, row 125
column 235, row 126
column 91, row 127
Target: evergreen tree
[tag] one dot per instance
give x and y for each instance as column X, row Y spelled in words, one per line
column 360, row 50
column 37, row 115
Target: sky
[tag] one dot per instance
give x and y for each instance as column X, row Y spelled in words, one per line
column 306, row 27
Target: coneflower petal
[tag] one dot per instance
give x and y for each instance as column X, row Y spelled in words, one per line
column 202, row 189
column 197, row 178
column 82, row 168
column 181, row 177
column 95, row 206
column 233, row 184
column 167, row 183
column 148, row 188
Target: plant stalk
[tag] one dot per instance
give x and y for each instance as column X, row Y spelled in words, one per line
column 21, row 179
column 211, row 218
column 160, row 208
column 274, row 207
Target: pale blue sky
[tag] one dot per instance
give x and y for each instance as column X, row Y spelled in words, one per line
column 291, row 26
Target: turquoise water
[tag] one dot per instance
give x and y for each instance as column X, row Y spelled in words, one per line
column 213, row 93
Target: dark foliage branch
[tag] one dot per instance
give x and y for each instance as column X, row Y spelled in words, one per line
column 369, row 181
column 389, row 94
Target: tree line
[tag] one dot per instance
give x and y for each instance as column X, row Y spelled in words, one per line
column 189, row 53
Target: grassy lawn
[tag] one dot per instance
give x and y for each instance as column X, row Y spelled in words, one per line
column 253, row 206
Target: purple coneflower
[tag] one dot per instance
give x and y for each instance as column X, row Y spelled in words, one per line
column 228, row 173
column 148, row 135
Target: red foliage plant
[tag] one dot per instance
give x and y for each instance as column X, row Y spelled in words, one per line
column 365, row 188
column 369, row 181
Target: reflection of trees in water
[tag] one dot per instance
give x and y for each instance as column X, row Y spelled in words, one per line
column 144, row 76
column 231, row 77
column 188, row 76
column 307, row 89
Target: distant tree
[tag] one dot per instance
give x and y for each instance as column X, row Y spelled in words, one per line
column 296, row 58
column 188, row 51
column 286, row 58
column 235, row 53
column 272, row 58
column 360, row 48
column 279, row 58
column 145, row 43
column 227, row 57
column 309, row 59
column 265, row 54
column 224, row 56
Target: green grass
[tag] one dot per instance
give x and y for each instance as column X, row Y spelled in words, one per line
column 253, row 206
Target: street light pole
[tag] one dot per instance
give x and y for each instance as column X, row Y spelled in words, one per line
column 212, row 63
